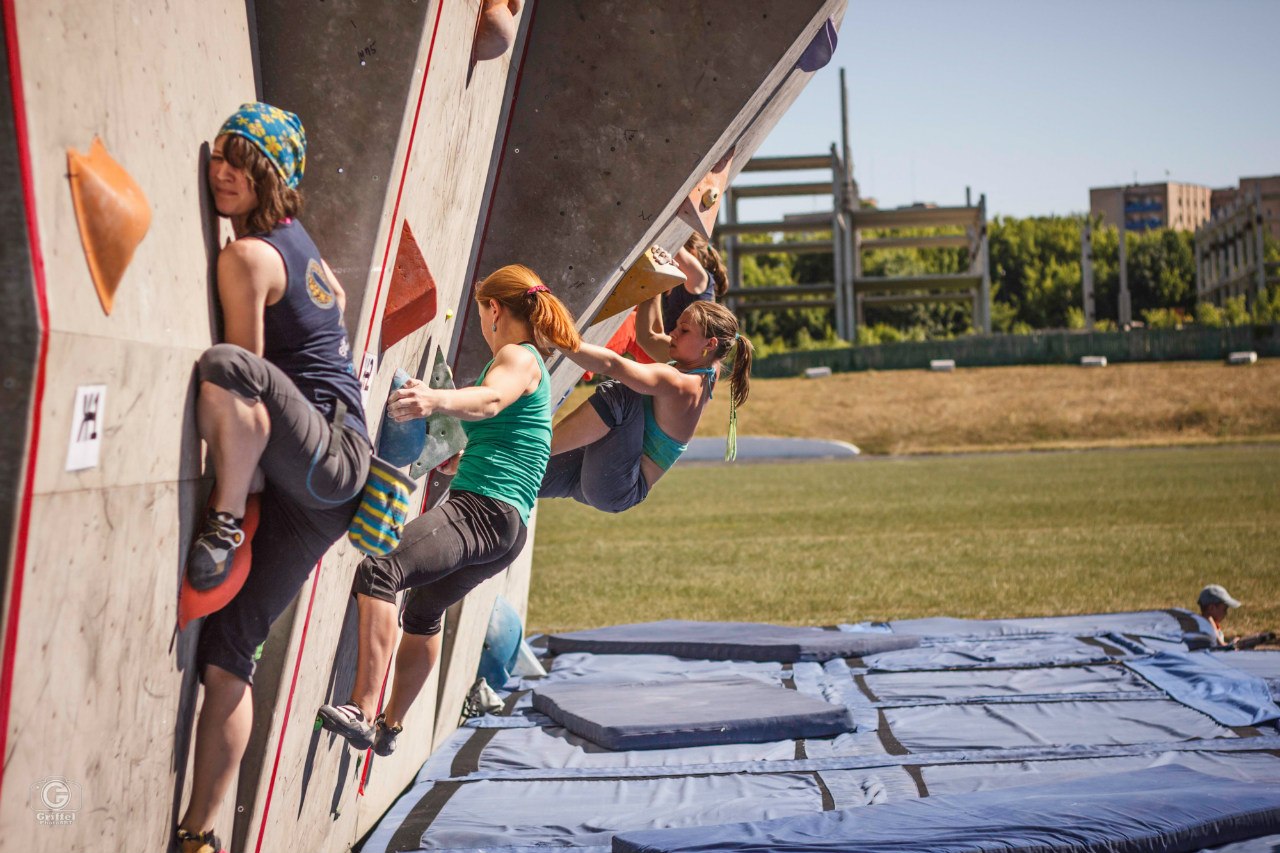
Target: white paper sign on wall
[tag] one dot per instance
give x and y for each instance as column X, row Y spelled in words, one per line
column 366, row 377
column 86, row 427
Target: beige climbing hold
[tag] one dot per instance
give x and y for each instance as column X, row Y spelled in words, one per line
column 653, row 272
column 702, row 206
column 112, row 215
column 496, row 28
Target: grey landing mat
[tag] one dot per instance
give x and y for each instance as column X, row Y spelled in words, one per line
column 663, row 715
column 753, row 641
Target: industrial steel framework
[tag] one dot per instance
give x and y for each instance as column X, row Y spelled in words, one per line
column 847, row 232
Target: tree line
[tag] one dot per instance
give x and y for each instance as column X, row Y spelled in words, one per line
column 1036, row 283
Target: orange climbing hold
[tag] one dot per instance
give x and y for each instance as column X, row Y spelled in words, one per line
column 192, row 603
column 496, row 28
column 411, row 300
column 702, row 206
column 653, row 273
column 112, row 214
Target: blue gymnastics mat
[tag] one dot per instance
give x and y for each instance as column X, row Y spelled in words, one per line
column 1146, row 811
column 1093, row 732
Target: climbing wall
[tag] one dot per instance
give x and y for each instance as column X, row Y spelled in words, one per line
column 571, row 148
column 19, row 324
column 396, row 186
column 597, row 159
column 599, row 156
column 97, row 696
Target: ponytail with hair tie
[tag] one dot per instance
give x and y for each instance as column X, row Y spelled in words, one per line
column 731, row 440
column 717, row 321
column 517, row 287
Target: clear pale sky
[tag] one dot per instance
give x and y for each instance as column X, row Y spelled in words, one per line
column 1033, row 102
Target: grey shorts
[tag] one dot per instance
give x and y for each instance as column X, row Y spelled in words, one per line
column 315, row 472
column 606, row 473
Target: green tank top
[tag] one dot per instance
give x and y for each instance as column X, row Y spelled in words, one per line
column 507, row 454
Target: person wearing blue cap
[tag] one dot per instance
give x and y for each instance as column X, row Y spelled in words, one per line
column 280, row 409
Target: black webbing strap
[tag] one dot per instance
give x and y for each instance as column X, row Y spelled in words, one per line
column 916, row 772
column 1186, row 621
column 467, row 759
column 510, row 704
column 861, row 681
column 421, row 816
column 1113, row 651
column 828, row 801
column 891, row 744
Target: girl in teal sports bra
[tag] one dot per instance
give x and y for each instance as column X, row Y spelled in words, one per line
column 450, row 549
column 610, row 451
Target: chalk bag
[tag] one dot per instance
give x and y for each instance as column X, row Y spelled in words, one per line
column 383, row 511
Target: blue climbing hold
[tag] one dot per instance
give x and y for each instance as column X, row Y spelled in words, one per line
column 501, row 644
column 401, row 443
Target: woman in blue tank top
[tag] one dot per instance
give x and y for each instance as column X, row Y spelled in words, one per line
column 610, row 451
column 279, row 408
column 480, row 530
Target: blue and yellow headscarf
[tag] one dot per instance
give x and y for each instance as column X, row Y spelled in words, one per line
column 277, row 133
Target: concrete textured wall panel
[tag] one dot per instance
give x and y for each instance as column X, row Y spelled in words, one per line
column 19, row 324
column 96, row 694
column 403, row 129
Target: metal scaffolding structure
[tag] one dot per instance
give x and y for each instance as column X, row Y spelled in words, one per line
column 973, row 285
column 833, row 224
column 842, row 233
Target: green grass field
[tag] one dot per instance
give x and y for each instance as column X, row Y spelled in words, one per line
column 984, row 536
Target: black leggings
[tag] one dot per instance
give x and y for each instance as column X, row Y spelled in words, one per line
column 443, row 554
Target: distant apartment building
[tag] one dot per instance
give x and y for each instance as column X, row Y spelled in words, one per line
column 1268, row 188
column 1144, row 207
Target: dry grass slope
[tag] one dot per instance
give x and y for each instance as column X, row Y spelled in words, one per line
column 1014, row 408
